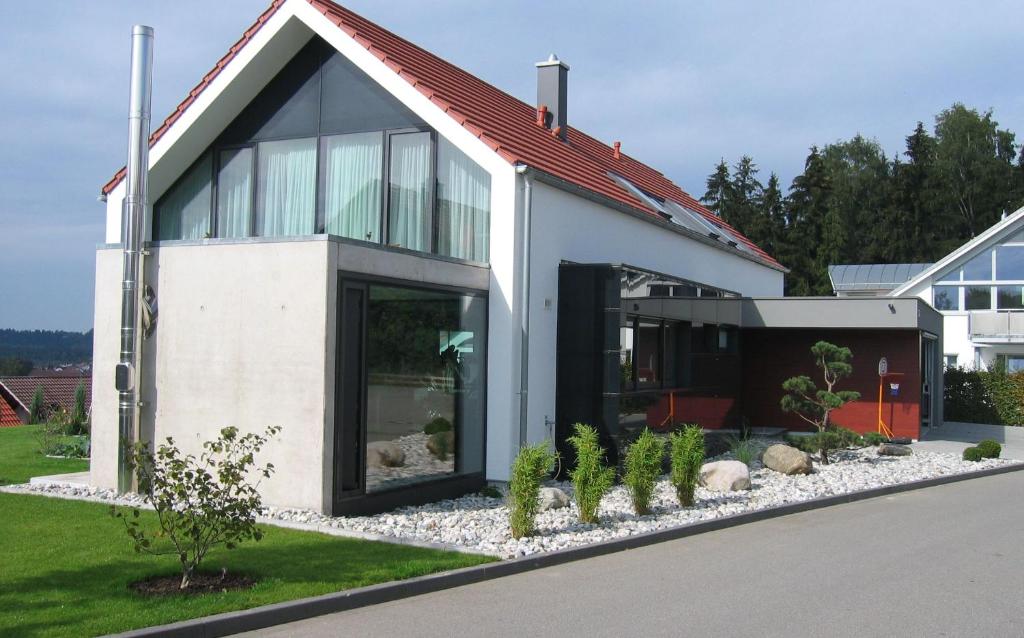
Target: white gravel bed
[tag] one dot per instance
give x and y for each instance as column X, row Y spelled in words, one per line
column 479, row 523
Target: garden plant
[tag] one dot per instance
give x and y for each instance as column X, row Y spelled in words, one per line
column 686, row 449
column 815, row 405
column 532, row 465
column 200, row 503
column 590, row 478
column 642, row 468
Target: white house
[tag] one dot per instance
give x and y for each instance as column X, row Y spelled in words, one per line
column 337, row 248
column 414, row 273
column 978, row 288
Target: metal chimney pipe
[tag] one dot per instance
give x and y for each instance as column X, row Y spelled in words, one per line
column 132, row 214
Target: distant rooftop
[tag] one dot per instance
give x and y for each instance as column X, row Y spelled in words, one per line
column 849, row 277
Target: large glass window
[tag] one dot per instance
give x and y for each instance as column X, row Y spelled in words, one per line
column 352, row 166
column 425, row 384
column 184, row 212
column 648, row 353
column 1010, row 263
column 946, row 298
column 409, row 191
column 978, row 297
column 979, row 268
column 234, row 193
column 286, row 187
column 463, row 205
column 1010, row 297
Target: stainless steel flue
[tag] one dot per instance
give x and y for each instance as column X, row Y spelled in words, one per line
column 132, row 215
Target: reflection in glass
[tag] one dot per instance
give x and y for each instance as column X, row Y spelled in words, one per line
column 979, row 268
column 648, row 353
column 184, row 212
column 978, row 297
column 946, row 298
column 1010, row 297
column 425, row 385
column 1010, row 263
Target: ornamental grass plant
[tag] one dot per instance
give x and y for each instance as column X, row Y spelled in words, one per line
column 590, row 478
column 531, row 467
column 687, row 453
column 642, row 467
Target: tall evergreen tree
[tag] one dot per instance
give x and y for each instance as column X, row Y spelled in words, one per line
column 718, row 195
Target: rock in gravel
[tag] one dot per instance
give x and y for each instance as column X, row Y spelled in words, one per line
column 552, row 498
column 384, row 454
column 787, row 460
column 725, row 476
column 891, row 449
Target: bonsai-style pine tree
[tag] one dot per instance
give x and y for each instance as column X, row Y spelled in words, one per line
column 813, row 405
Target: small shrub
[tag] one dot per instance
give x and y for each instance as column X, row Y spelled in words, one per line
column 643, row 466
column 439, row 424
column 490, row 491
column 37, row 408
column 79, row 416
column 200, row 502
column 874, row 438
column 440, row 445
column 813, row 443
column 590, row 478
column 990, row 449
column 687, row 452
column 848, row 438
column 743, row 450
column 973, row 454
column 532, row 465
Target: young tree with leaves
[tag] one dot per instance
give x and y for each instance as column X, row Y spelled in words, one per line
column 815, row 405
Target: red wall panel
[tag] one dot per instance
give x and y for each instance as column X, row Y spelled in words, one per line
column 772, row 356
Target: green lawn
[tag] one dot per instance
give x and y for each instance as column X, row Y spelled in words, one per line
column 65, row 566
column 20, row 459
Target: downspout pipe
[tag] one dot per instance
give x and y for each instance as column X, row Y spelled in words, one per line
column 524, row 303
column 133, row 210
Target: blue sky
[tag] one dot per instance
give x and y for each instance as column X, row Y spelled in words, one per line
column 681, row 84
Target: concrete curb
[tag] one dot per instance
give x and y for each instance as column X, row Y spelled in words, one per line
column 280, row 613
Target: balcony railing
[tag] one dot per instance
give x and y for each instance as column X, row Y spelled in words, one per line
column 998, row 324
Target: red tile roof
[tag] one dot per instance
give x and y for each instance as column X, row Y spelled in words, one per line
column 8, row 417
column 57, row 390
column 506, row 124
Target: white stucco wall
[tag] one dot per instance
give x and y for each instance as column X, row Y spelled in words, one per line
column 567, row 227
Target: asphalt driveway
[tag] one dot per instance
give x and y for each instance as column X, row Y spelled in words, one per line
column 943, row 561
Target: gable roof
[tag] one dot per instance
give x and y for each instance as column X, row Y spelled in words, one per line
column 504, row 123
column 8, row 417
column 993, row 234
column 847, row 277
column 57, row 390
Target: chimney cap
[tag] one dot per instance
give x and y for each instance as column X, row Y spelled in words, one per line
column 553, row 61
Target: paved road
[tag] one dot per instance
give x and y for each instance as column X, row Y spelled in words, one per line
column 945, row 561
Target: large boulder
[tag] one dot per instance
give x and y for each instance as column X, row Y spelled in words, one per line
column 552, row 498
column 787, row 460
column 725, row 476
column 384, row 454
column 891, row 449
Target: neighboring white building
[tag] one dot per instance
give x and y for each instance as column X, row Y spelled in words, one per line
column 978, row 288
column 337, row 247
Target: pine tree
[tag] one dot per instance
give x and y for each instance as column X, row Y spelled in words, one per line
column 718, row 195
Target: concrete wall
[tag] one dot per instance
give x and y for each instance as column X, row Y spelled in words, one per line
column 567, row 227
column 241, row 340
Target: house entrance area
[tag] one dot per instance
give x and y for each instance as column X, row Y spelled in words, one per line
column 410, row 396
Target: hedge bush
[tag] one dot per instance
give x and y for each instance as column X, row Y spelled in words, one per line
column 984, row 396
column 973, row 454
column 990, row 449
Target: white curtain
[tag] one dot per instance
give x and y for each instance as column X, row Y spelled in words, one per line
column 184, row 212
column 409, row 204
column 286, row 182
column 234, row 193
column 464, row 205
column 353, row 185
